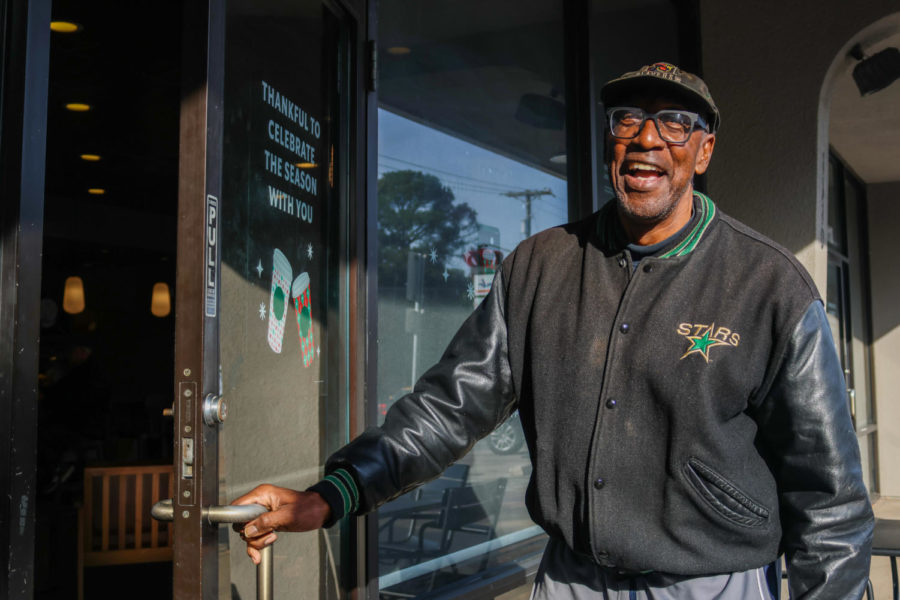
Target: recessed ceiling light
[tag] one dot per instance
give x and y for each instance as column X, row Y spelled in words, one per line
column 64, row 27
column 306, row 165
column 78, row 107
column 399, row 50
column 96, row 191
column 90, row 157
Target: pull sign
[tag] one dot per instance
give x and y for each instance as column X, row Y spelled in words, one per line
column 212, row 267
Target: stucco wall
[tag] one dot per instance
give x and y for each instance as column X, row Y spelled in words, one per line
column 766, row 63
column 884, row 219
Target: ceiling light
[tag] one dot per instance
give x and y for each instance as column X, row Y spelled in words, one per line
column 306, row 165
column 876, row 72
column 73, row 295
column 64, row 27
column 78, row 107
column 90, row 157
column 96, row 191
column 399, row 50
column 160, row 300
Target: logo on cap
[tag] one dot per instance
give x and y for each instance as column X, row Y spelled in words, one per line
column 663, row 71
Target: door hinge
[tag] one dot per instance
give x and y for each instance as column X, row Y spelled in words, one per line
column 372, row 62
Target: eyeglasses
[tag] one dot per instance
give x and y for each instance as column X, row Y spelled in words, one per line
column 674, row 126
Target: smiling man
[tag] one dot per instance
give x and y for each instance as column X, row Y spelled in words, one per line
column 675, row 376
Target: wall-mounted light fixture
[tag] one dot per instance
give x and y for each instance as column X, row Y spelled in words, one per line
column 161, row 300
column 73, row 295
column 876, row 72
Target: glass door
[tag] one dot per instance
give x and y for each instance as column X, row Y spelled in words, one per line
column 262, row 363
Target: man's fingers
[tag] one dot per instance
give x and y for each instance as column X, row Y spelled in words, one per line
column 266, row 495
column 290, row 511
column 254, row 547
column 261, row 542
column 270, row 521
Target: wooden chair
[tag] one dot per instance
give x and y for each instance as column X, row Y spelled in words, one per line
column 114, row 524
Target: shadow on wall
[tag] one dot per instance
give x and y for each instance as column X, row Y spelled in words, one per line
column 884, row 218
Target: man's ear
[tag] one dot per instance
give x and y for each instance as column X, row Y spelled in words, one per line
column 704, row 153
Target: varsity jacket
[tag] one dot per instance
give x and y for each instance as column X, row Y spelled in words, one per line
column 687, row 416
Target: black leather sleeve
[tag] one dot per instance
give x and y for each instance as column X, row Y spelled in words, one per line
column 454, row 404
column 808, row 439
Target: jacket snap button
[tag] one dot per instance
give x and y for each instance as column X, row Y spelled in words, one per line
column 599, row 483
column 610, row 403
column 622, row 262
column 648, row 268
column 624, row 327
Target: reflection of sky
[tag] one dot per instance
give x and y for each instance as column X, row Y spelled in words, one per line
column 476, row 176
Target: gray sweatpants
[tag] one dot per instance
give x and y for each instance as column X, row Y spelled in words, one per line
column 565, row 575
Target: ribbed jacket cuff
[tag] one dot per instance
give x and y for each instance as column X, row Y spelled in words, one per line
column 339, row 490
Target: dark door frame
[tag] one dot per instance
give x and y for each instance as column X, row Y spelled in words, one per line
column 25, row 31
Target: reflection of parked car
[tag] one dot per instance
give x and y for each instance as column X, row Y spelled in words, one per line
column 508, row 437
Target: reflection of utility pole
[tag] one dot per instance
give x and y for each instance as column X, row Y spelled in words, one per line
column 528, row 195
column 415, row 292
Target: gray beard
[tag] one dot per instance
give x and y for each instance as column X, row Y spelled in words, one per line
column 656, row 216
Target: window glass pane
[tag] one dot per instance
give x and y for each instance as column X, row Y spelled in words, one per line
column 854, row 206
column 834, row 305
column 471, row 159
column 837, row 227
column 283, row 354
column 612, row 27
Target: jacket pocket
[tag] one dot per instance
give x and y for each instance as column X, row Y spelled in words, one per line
column 723, row 496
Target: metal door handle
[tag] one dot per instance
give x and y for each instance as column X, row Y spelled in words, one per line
column 164, row 510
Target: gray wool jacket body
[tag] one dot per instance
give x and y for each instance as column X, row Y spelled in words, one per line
column 688, row 416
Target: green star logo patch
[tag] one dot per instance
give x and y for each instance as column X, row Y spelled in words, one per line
column 704, row 337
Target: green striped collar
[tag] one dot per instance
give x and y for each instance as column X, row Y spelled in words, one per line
column 613, row 237
column 707, row 211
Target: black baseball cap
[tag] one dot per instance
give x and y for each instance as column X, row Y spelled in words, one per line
column 666, row 78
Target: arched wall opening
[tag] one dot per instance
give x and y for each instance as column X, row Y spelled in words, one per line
column 863, row 133
column 773, row 71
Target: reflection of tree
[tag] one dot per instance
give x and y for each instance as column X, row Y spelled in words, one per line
column 416, row 212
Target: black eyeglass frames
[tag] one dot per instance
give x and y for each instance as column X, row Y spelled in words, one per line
column 674, row 125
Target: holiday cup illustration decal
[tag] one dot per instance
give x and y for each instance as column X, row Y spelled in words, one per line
column 279, row 299
column 303, row 304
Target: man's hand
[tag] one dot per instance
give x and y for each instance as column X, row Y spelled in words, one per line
column 290, row 510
